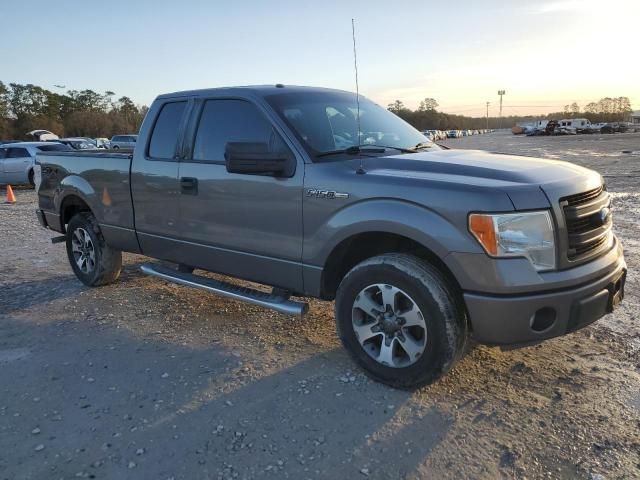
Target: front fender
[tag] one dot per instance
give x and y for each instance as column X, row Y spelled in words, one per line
column 27, row 168
column 407, row 219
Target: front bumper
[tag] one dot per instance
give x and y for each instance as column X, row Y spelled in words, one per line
column 530, row 318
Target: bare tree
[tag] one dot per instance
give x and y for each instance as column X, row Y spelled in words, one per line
column 428, row 104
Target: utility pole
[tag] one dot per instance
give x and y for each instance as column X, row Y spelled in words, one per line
column 501, row 93
column 488, row 115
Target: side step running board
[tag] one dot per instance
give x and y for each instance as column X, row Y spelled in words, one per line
column 278, row 303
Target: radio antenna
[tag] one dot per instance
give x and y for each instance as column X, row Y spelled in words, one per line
column 360, row 170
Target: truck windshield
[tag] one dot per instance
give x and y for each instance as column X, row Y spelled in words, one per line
column 326, row 123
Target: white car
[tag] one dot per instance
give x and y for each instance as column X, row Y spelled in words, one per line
column 42, row 135
column 431, row 135
column 102, row 142
column 17, row 160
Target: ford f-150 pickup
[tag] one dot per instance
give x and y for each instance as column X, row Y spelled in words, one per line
column 312, row 193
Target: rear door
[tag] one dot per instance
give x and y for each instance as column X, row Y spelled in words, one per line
column 154, row 181
column 16, row 164
column 248, row 226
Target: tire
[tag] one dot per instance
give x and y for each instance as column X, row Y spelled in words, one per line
column 441, row 332
column 32, row 181
column 116, row 147
column 101, row 263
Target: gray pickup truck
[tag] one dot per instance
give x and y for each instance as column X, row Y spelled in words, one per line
column 312, row 193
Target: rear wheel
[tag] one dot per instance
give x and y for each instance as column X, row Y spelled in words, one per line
column 92, row 260
column 400, row 320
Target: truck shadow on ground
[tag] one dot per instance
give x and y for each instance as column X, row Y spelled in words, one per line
column 31, row 293
column 113, row 405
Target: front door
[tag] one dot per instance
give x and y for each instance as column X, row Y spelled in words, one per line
column 248, row 226
column 16, row 165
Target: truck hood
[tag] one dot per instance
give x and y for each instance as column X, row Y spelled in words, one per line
column 529, row 182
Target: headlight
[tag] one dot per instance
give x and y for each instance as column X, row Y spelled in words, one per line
column 526, row 234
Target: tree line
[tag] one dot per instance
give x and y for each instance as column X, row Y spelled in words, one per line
column 84, row 113
column 87, row 113
column 427, row 116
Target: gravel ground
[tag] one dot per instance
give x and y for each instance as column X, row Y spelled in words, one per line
column 145, row 379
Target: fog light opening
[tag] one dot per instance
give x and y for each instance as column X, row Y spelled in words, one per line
column 543, row 319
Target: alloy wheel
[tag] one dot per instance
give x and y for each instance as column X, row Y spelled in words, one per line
column 84, row 252
column 389, row 325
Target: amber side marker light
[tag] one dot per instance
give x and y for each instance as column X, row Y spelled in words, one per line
column 481, row 226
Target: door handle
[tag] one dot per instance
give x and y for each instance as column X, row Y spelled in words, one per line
column 189, row 185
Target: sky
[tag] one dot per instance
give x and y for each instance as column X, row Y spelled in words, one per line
column 544, row 53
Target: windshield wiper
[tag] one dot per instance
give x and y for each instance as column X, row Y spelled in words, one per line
column 423, row 145
column 354, row 150
column 400, row 149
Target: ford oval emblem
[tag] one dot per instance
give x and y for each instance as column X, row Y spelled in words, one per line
column 604, row 216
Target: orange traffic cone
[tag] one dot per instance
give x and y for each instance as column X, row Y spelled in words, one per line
column 11, row 198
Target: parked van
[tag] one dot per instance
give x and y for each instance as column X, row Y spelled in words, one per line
column 123, row 141
column 581, row 125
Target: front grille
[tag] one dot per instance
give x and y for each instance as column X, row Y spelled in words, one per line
column 586, row 248
column 588, row 226
column 580, row 198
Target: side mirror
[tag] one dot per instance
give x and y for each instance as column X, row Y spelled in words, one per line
column 256, row 159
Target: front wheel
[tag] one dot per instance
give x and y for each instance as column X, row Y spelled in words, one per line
column 400, row 320
column 92, row 260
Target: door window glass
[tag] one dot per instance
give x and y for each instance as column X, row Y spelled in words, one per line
column 18, row 153
column 225, row 121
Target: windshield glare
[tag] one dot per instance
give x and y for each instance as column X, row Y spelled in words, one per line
column 327, row 121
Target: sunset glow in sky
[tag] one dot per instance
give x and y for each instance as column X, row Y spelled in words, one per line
column 544, row 53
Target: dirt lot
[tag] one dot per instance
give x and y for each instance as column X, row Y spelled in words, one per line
column 144, row 379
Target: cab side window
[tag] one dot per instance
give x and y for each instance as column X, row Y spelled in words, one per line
column 166, row 131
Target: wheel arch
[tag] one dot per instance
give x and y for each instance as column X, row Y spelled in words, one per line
column 76, row 194
column 361, row 246
column 70, row 206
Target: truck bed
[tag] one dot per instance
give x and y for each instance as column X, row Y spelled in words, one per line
column 105, row 175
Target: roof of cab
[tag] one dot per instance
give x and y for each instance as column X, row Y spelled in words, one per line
column 260, row 90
